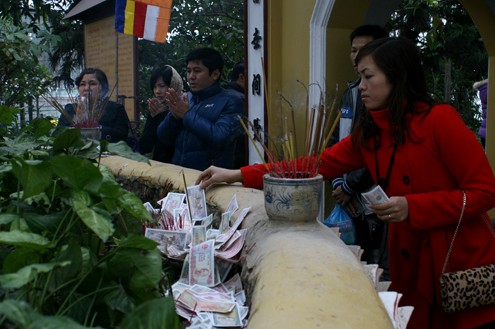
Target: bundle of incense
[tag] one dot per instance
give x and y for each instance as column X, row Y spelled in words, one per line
column 281, row 159
column 88, row 111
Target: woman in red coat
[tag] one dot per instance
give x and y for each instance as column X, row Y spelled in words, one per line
column 424, row 156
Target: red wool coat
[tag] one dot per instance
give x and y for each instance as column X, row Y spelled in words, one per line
column 440, row 158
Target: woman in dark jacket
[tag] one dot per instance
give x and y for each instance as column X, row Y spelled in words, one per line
column 161, row 79
column 94, row 109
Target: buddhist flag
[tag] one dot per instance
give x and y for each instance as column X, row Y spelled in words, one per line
column 146, row 19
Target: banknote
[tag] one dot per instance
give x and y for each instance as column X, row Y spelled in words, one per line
column 194, row 302
column 173, row 201
column 234, row 283
column 167, row 238
column 225, row 222
column 186, row 220
column 184, row 274
column 178, row 287
column 230, row 319
column 222, row 238
column 373, row 272
column 197, row 201
column 151, row 209
column 233, row 205
column 240, row 297
column 188, row 299
column 205, row 221
column 198, row 234
column 376, row 195
column 202, row 264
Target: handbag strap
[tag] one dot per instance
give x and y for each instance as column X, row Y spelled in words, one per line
column 490, row 229
column 449, row 252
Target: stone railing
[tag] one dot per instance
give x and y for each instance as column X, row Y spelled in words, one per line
column 296, row 275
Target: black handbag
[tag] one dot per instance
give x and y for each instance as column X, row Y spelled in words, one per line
column 469, row 288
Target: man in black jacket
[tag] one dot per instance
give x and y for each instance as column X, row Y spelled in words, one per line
column 236, row 86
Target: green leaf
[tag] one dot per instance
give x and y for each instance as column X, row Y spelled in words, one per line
column 19, row 225
column 5, row 168
column 57, row 322
column 18, row 312
column 118, row 299
column 71, row 253
column 76, row 172
column 40, row 127
column 19, row 258
column 156, row 314
column 122, row 148
column 39, row 223
column 25, row 239
column 134, row 206
column 101, row 225
column 27, row 274
column 8, row 218
column 7, row 114
column 34, row 176
column 23, row 315
column 110, row 189
column 141, row 270
column 137, row 242
column 17, row 146
column 66, row 137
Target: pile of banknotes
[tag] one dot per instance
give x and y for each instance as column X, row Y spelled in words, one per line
column 208, row 294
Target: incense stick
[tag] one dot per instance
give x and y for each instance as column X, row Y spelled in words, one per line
column 254, row 142
column 187, row 195
column 282, row 156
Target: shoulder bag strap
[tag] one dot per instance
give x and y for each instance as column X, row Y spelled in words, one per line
column 488, row 225
column 455, row 232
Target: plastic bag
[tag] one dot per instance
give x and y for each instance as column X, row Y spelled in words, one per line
column 339, row 218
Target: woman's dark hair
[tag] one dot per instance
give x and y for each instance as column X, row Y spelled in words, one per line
column 164, row 72
column 100, row 76
column 399, row 60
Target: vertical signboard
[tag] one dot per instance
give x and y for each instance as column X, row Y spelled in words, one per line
column 255, row 53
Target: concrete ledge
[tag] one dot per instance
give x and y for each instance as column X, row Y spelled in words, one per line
column 296, row 275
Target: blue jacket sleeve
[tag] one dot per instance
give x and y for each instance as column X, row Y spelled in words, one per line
column 225, row 129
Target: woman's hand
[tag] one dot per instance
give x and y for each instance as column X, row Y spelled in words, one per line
column 177, row 105
column 214, row 175
column 155, row 107
column 344, row 200
column 395, row 210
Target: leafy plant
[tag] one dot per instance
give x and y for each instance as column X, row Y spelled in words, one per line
column 72, row 253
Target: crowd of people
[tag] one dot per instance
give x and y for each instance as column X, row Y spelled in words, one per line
column 195, row 129
column 391, row 134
